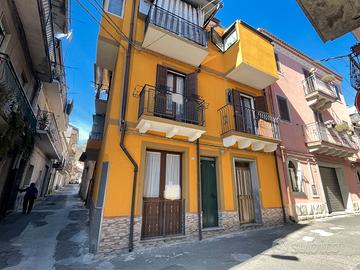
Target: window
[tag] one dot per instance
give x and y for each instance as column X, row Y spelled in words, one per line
column 296, row 177
column 115, row 7
column 337, row 90
column 318, row 117
column 278, row 64
column 230, row 39
column 162, row 175
column 283, row 108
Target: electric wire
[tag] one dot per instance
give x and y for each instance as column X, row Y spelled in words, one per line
column 98, row 22
column 109, row 20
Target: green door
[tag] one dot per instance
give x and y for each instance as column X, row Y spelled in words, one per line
column 209, row 192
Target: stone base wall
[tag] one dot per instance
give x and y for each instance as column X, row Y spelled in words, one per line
column 311, row 211
column 115, row 231
column 272, row 216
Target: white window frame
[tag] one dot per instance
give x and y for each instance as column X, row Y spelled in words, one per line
column 122, row 10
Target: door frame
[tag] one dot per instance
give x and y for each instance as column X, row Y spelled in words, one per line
column 255, row 187
column 215, row 159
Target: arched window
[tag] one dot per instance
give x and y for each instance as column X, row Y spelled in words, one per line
column 293, row 177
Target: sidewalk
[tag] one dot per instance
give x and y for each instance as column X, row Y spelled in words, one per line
column 55, row 236
column 56, row 229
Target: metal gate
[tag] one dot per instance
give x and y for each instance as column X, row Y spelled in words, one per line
column 332, row 189
column 244, row 194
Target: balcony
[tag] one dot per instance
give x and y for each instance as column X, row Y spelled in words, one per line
column 173, row 36
column 13, row 97
column 249, row 128
column 37, row 20
column 93, row 145
column 247, row 55
column 48, row 132
column 321, row 139
column 319, row 94
column 161, row 110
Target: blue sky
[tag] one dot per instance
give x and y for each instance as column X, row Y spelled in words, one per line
column 283, row 18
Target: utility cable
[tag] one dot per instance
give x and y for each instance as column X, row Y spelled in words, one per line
column 99, row 23
column 112, row 23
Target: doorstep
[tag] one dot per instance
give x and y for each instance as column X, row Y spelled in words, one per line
column 213, row 229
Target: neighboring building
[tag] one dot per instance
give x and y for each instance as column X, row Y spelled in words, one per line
column 189, row 83
column 33, row 102
column 332, row 19
column 318, row 143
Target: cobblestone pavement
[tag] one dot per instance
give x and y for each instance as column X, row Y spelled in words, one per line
column 54, row 236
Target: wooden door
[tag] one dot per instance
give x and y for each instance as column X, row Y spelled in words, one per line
column 244, row 194
column 162, row 216
column 209, row 193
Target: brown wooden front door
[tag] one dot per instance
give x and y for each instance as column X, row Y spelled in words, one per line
column 162, row 201
column 244, row 193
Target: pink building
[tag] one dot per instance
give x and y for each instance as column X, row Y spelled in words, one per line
column 317, row 158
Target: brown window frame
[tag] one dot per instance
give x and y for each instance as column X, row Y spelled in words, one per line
column 163, row 172
column 281, row 113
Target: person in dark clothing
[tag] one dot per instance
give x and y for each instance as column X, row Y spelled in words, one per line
column 29, row 198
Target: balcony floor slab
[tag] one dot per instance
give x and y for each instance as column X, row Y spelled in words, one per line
column 255, row 143
column 171, row 128
column 164, row 42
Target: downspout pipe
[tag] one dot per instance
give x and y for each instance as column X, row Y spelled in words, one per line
column 275, row 155
column 280, row 187
column 123, row 125
column 198, row 187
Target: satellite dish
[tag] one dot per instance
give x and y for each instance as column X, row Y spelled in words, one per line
column 313, row 70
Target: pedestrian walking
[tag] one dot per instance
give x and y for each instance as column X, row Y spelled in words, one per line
column 29, row 198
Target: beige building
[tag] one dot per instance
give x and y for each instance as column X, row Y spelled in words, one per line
column 34, row 108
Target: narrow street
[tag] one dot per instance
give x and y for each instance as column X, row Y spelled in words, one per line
column 54, row 236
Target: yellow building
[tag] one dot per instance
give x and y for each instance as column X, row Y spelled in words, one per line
column 186, row 133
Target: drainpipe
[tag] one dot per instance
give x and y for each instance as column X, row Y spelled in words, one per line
column 280, row 187
column 199, row 187
column 275, row 155
column 123, row 125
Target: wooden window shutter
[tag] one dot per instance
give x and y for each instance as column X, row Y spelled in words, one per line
column 236, row 100
column 261, row 104
column 192, row 110
column 191, row 85
column 161, row 77
column 238, row 112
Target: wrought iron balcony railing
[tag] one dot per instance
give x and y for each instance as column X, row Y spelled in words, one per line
column 96, row 136
column 12, row 94
column 318, row 132
column 163, row 103
column 177, row 25
column 46, row 122
column 313, row 84
column 249, row 121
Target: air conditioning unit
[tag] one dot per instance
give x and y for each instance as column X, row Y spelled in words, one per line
column 144, row 8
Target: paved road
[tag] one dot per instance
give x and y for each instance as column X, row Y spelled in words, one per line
column 54, row 236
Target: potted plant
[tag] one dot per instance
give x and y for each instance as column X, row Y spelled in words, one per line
column 43, row 121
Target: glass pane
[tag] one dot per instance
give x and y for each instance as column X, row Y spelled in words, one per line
column 115, row 7
column 230, row 40
column 180, row 85
column 152, row 175
column 172, row 178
